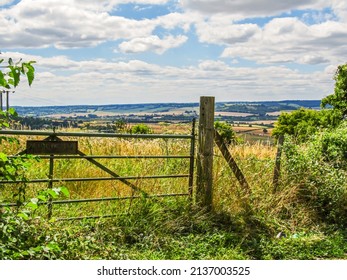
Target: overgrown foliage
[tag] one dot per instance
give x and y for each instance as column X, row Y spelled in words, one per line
column 319, row 169
column 13, row 168
column 226, row 131
column 303, row 123
column 26, row 235
column 338, row 100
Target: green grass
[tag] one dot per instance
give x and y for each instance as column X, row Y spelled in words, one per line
column 172, row 229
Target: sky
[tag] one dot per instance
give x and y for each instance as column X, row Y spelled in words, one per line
column 154, row 51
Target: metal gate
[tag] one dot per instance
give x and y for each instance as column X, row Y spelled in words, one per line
column 55, row 147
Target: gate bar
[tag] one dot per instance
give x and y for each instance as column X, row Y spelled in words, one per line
column 98, row 199
column 81, row 134
column 97, row 179
column 109, row 157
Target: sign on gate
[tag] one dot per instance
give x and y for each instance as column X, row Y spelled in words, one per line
column 36, row 147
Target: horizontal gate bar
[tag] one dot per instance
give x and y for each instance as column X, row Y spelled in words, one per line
column 85, row 218
column 98, row 199
column 109, row 157
column 81, row 134
column 97, row 179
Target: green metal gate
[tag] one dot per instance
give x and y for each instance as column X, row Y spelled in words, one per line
column 55, row 147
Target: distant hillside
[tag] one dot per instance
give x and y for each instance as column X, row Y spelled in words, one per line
column 252, row 108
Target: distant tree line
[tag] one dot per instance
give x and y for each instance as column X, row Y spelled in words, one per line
column 41, row 123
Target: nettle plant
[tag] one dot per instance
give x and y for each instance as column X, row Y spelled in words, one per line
column 20, row 236
column 12, row 169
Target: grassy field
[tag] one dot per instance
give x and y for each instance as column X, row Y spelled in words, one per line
column 262, row 225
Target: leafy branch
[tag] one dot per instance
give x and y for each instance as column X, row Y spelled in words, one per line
column 10, row 77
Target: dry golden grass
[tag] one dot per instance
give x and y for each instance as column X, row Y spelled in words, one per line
column 255, row 160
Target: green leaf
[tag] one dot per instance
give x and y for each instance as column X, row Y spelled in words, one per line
column 29, row 70
column 42, row 198
column 65, row 191
column 52, row 193
column 15, row 74
column 3, row 157
column 24, row 216
column 32, row 205
column 12, row 112
column 3, row 81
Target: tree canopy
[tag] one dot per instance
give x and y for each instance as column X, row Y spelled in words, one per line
column 302, row 123
column 338, row 100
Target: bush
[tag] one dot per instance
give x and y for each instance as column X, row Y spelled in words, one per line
column 334, row 146
column 24, row 234
column 140, row 129
column 23, row 237
column 226, row 132
column 318, row 168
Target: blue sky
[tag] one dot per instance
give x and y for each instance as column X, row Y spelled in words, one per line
column 144, row 51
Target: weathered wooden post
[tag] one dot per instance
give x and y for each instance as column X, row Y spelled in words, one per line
column 204, row 178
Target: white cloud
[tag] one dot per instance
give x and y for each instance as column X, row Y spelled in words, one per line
column 213, row 65
column 152, row 43
column 290, row 40
column 340, row 9
column 225, row 32
column 251, row 8
column 72, row 24
column 5, row 2
column 101, row 82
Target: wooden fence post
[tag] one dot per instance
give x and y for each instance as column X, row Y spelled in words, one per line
column 278, row 162
column 204, row 178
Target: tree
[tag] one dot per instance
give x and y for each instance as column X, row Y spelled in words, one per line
column 303, row 122
column 338, row 100
column 140, row 129
column 226, row 132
